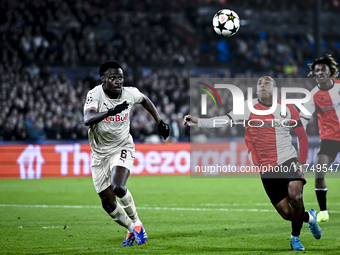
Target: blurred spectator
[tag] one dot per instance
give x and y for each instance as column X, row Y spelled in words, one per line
column 51, row 130
column 32, row 70
column 35, row 128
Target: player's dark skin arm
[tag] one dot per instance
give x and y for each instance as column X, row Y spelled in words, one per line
column 151, row 108
column 92, row 117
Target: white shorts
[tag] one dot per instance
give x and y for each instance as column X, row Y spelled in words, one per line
column 102, row 168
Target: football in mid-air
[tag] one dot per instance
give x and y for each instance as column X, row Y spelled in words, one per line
column 226, row 22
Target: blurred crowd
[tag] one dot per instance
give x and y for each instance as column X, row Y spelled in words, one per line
column 160, row 44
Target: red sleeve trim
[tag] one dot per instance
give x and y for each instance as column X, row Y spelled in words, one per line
column 303, row 143
column 90, row 109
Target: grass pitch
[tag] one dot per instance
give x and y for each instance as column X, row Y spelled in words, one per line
column 182, row 215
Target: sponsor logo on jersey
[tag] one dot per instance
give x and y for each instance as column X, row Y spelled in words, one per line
column 324, row 109
column 117, row 118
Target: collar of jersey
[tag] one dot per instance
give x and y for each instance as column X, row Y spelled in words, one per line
column 267, row 105
column 326, row 89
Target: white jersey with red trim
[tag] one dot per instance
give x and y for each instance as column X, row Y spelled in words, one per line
column 112, row 133
column 326, row 104
column 267, row 135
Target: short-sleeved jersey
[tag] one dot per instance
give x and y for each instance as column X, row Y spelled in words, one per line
column 266, row 135
column 112, row 133
column 326, row 104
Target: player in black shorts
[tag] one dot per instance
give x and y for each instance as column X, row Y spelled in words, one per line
column 325, row 103
column 271, row 149
column 276, row 184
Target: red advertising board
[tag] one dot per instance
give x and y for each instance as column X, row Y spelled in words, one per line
column 36, row 161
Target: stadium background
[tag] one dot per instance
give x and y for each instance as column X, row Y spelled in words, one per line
column 51, row 51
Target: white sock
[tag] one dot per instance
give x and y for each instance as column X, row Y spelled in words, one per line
column 291, row 236
column 137, row 223
column 119, row 216
column 129, row 206
column 311, row 218
column 325, row 212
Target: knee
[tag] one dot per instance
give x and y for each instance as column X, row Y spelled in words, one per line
column 109, row 205
column 319, row 181
column 119, row 190
column 296, row 200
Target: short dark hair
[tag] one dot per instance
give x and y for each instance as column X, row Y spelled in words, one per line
column 107, row 65
column 329, row 61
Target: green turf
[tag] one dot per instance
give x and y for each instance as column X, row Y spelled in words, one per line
column 182, row 215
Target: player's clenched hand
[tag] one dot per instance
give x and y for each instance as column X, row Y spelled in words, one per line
column 163, row 129
column 302, row 167
column 118, row 109
column 190, row 120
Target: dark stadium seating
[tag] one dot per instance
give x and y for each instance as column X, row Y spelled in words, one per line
column 51, row 51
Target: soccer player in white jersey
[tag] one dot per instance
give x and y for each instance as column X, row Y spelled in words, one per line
column 106, row 112
column 325, row 102
column 270, row 145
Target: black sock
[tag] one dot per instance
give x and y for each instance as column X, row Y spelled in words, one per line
column 306, row 217
column 296, row 227
column 321, row 196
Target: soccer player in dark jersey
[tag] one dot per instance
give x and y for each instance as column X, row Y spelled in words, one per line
column 270, row 145
column 325, row 102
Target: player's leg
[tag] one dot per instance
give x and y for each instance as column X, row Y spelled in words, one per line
column 111, row 206
column 295, row 193
column 119, row 178
column 297, row 207
column 284, row 209
column 117, row 213
column 101, row 179
column 277, row 191
column 326, row 155
column 321, row 187
column 292, row 208
column 298, row 213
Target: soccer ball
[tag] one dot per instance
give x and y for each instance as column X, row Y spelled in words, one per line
column 226, row 22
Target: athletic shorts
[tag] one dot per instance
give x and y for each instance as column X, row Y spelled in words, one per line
column 102, row 169
column 276, row 184
column 330, row 148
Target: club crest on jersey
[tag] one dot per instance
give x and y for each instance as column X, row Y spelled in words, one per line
column 117, row 118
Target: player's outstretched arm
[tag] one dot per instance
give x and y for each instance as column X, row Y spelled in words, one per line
column 163, row 128
column 190, row 120
column 92, row 117
column 208, row 123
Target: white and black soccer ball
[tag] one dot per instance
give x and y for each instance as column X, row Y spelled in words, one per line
column 226, row 22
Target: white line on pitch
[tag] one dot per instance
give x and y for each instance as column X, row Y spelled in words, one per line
column 256, row 204
column 205, row 209
column 150, row 208
column 53, row 206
